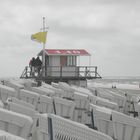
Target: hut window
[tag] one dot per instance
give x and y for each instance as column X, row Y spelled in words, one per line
column 71, row 60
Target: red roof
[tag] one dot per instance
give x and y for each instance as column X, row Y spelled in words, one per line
column 76, row 52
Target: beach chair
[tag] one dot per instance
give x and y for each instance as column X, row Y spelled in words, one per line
column 106, row 103
column 64, row 129
column 14, row 84
column 40, row 128
column 67, row 90
column 45, row 104
column 21, row 109
column 125, row 127
column 81, row 108
column 20, row 102
column 120, row 100
column 63, row 107
column 15, row 123
column 6, row 92
column 29, row 97
column 43, row 91
column 7, row 136
column 106, row 95
column 102, row 119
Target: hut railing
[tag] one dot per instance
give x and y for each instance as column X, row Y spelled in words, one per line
column 64, row 71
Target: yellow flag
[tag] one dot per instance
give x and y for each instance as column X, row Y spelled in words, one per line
column 39, row 37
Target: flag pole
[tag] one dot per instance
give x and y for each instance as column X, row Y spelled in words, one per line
column 43, row 54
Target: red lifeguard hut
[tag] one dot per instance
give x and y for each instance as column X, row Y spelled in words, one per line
column 62, row 65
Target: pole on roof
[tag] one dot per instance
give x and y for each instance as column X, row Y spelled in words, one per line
column 43, row 54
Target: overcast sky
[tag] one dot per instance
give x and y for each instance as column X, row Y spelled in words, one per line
column 108, row 29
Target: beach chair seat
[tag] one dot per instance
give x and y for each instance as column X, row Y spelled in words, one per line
column 21, row 109
column 81, row 108
column 6, row 92
column 15, row 123
column 125, row 127
column 64, row 107
column 103, row 120
column 45, row 104
column 29, row 97
column 20, row 102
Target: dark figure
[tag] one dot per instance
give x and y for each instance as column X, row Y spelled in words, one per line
column 32, row 66
column 38, row 65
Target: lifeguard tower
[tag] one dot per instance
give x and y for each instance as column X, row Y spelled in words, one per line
column 62, row 65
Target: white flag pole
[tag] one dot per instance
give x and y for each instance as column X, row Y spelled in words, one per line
column 43, row 54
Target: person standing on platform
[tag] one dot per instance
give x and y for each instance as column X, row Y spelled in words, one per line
column 38, row 65
column 32, row 66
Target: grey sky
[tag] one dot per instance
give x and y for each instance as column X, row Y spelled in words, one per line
column 108, row 29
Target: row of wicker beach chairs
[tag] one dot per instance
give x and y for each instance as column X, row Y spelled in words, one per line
column 63, row 112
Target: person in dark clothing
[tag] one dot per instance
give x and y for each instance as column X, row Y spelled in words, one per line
column 32, row 66
column 38, row 65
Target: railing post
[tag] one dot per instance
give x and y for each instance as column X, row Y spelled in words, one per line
column 61, row 72
column 95, row 72
column 26, row 71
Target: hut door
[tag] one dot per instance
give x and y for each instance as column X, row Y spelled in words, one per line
column 63, row 60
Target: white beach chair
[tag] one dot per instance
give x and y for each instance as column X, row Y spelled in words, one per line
column 125, row 127
column 65, row 87
column 63, row 129
column 40, row 128
column 14, row 84
column 63, row 107
column 102, row 119
column 45, row 104
column 20, row 109
column 6, row 92
column 43, row 91
column 106, row 95
column 7, row 136
column 119, row 99
column 81, row 108
column 15, row 123
column 20, row 102
column 29, row 97
column 106, row 103
column 68, row 91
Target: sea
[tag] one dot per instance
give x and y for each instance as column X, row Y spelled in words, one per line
column 128, row 82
